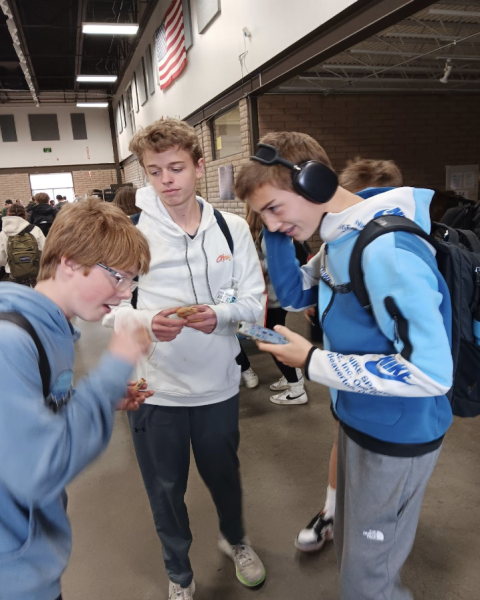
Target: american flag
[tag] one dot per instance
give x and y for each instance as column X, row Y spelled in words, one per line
column 170, row 45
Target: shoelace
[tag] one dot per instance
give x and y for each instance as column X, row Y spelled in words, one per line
column 321, row 523
column 244, row 555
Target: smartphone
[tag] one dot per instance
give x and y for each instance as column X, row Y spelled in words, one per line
column 262, row 334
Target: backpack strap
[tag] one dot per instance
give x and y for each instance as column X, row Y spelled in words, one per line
column 374, row 229
column 224, row 227
column 135, row 218
column 471, row 240
column 28, row 229
column 43, row 363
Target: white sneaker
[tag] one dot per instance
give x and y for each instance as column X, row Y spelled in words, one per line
column 315, row 534
column 250, row 378
column 280, row 385
column 250, row 569
column 296, row 394
column 177, row 592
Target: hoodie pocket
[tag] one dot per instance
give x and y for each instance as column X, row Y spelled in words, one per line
column 6, row 557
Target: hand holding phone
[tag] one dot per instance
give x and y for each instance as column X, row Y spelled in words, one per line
column 261, row 334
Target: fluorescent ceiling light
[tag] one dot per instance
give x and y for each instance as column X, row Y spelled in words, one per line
column 455, row 13
column 423, row 36
column 92, row 104
column 99, row 78
column 110, row 28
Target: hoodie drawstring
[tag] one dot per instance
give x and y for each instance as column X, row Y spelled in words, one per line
column 206, row 269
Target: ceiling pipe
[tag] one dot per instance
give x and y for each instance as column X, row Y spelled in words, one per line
column 13, row 29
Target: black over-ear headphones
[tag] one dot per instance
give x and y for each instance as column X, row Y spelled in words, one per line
column 312, row 180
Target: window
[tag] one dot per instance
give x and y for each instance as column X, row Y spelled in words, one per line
column 226, row 136
column 43, row 128
column 130, row 114
column 53, row 184
column 79, row 127
column 7, row 126
column 141, row 83
column 149, row 69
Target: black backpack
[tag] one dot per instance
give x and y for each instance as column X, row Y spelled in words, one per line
column 43, row 363
column 463, row 217
column 458, row 259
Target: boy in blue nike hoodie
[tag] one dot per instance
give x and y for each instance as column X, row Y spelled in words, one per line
column 388, row 370
column 46, row 442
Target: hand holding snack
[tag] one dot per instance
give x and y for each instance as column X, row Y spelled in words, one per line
column 204, row 318
column 130, row 343
column 166, row 329
column 137, row 393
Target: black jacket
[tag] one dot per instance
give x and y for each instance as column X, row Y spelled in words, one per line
column 43, row 216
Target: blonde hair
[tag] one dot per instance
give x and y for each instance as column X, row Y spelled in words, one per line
column 361, row 173
column 292, row 146
column 92, row 232
column 42, row 198
column 125, row 199
column 164, row 135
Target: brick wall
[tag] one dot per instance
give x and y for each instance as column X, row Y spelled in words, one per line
column 208, row 186
column 422, row 134
column 133, row 173
column 16, row 187
column 86, row 181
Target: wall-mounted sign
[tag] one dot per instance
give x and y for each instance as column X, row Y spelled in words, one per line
column 463, row 180
column 47, row 149
column 225, row 182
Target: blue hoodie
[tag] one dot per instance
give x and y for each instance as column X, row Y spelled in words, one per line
column 389, row 370
column 42, row 451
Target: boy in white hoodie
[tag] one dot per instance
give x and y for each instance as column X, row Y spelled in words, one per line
column 191, row 367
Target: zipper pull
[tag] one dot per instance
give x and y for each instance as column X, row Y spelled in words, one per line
column 476, row 295
column 395, row 329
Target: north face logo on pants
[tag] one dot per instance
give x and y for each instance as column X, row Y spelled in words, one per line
column 371, row 534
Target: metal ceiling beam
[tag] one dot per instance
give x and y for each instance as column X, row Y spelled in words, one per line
column 340, row 67
column 81, row 18
column 10, row 10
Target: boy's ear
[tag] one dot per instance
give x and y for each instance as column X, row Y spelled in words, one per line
column 200, row 167
column 68, row 266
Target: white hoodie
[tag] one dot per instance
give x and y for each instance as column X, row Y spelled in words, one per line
column 194, row 369
column 10, row 227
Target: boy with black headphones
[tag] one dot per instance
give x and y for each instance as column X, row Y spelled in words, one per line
column 388, row 368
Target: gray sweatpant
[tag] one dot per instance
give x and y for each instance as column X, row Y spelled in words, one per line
column 162, row 436
column 377, row 509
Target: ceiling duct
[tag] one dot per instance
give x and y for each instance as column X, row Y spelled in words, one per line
column 13, row 29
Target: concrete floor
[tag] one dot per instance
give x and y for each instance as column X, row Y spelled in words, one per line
column 284, row 456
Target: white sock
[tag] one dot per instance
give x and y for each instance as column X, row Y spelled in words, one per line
column 329, row 509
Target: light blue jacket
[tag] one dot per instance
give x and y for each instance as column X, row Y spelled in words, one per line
column 388, row 374
column 42, row 451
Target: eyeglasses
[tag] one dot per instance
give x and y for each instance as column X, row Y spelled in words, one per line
column 122, row 283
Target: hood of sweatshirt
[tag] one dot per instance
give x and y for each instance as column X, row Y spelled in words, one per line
column 153, row 208
column 412, row 203
column 45, row 316
column 13, row 225
column 43, row 210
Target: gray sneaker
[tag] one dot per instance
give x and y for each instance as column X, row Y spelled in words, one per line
column 250, row 569
column 177, row 592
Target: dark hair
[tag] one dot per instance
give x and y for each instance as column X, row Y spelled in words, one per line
column 16, row 210
column 64, row 197
column 42, row 198
column 58, row 197
column 125, row 199
column 8, row 201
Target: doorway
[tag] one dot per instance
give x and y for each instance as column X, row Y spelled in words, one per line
column 53, row 184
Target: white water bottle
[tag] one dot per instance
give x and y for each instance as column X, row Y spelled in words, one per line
column 227, row 295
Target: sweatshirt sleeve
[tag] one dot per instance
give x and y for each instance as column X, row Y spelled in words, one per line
column 406, row 301
column 251, row 284
column 3, row 249
column 43, row 451
column 296, row 287
column 39, row 236
column 124, row 314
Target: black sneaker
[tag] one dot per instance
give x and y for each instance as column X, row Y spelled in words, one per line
column 315, row 534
